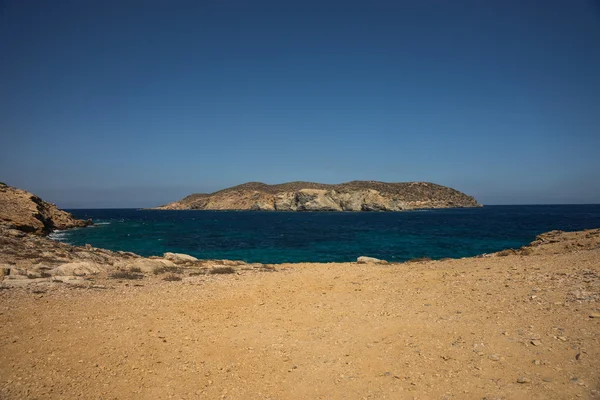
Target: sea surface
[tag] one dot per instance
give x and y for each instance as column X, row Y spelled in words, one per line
column 276, row 237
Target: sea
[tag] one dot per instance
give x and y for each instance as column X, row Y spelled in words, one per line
column 279, row 237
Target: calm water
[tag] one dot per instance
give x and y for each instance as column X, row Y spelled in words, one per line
column 274, row 237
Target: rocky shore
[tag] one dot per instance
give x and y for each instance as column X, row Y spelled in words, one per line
column 28, row 257
column 26, row 212
column 310, row 196
column 82, row 322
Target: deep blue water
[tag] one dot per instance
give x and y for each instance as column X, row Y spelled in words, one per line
column 274, row 237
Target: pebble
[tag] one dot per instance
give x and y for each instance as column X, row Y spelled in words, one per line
column 547, row 379
column 523, row 380
column 536, row 342
column 494, row 357
column 595, row 315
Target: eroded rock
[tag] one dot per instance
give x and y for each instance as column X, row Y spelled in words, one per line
column 23, row 211
column 180, row 258
column 148, row 265
column 370, row 260
column 76, row 269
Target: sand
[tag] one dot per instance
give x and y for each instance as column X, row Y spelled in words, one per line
column 495, row 327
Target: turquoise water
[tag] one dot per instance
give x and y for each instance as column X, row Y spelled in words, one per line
column 275, row 237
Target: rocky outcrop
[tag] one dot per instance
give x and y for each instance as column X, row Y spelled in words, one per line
column 28, row 260
column 309, row 196
column 26, row 212
column 369, row 260
column 147, row 265
column 178, row 257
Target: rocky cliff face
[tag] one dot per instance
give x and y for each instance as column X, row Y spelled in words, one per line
column 28, row 213
column 309, row 196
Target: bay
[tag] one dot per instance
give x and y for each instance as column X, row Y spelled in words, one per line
column 277, row 237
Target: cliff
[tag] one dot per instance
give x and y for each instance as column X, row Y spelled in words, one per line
column 26, row 212
column 310, row 196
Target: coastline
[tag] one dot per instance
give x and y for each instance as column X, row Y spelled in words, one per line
column 503, row 325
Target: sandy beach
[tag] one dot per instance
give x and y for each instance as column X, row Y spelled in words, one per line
column 298, row 200
column 501, row 326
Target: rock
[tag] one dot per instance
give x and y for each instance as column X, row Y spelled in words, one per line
column 179, row 258
column 26, row 212
column 127, row 254
column 523, row 380
column 4, row 271
column 21, row 282
column 369, row 260
column 17, row 272
column 494, row 357
column 34, row 274
column 315, row 200
column 71, row 280
column 595, row 315
column 76, row 269
column 99, row 287
column 536, row 342
column 13, row 277
column 233, row 263
column 147, row 265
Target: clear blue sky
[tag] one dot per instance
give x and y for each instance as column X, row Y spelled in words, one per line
column 137, row 103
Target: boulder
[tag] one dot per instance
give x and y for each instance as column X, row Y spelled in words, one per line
column 72, row 280
column 81, row 268
column 17, row 271
column 12, row 283
column 148, row 265
column 179, row 257
column 370, row 260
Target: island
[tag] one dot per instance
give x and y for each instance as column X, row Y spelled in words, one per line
column 311, row 196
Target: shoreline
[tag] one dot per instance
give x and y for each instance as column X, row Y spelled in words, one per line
column 415, row 259
column 58, row 258
column 497, row 326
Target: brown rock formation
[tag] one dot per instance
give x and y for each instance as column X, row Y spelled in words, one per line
column 310, row 196
column 26, row 212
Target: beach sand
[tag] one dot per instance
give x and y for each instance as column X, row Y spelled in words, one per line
column 494, row 327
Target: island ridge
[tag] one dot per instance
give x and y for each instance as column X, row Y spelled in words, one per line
column 310, row 196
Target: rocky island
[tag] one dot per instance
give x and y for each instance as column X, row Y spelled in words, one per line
column 310, row 196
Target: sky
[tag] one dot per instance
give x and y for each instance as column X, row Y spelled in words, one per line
column 135, row 103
